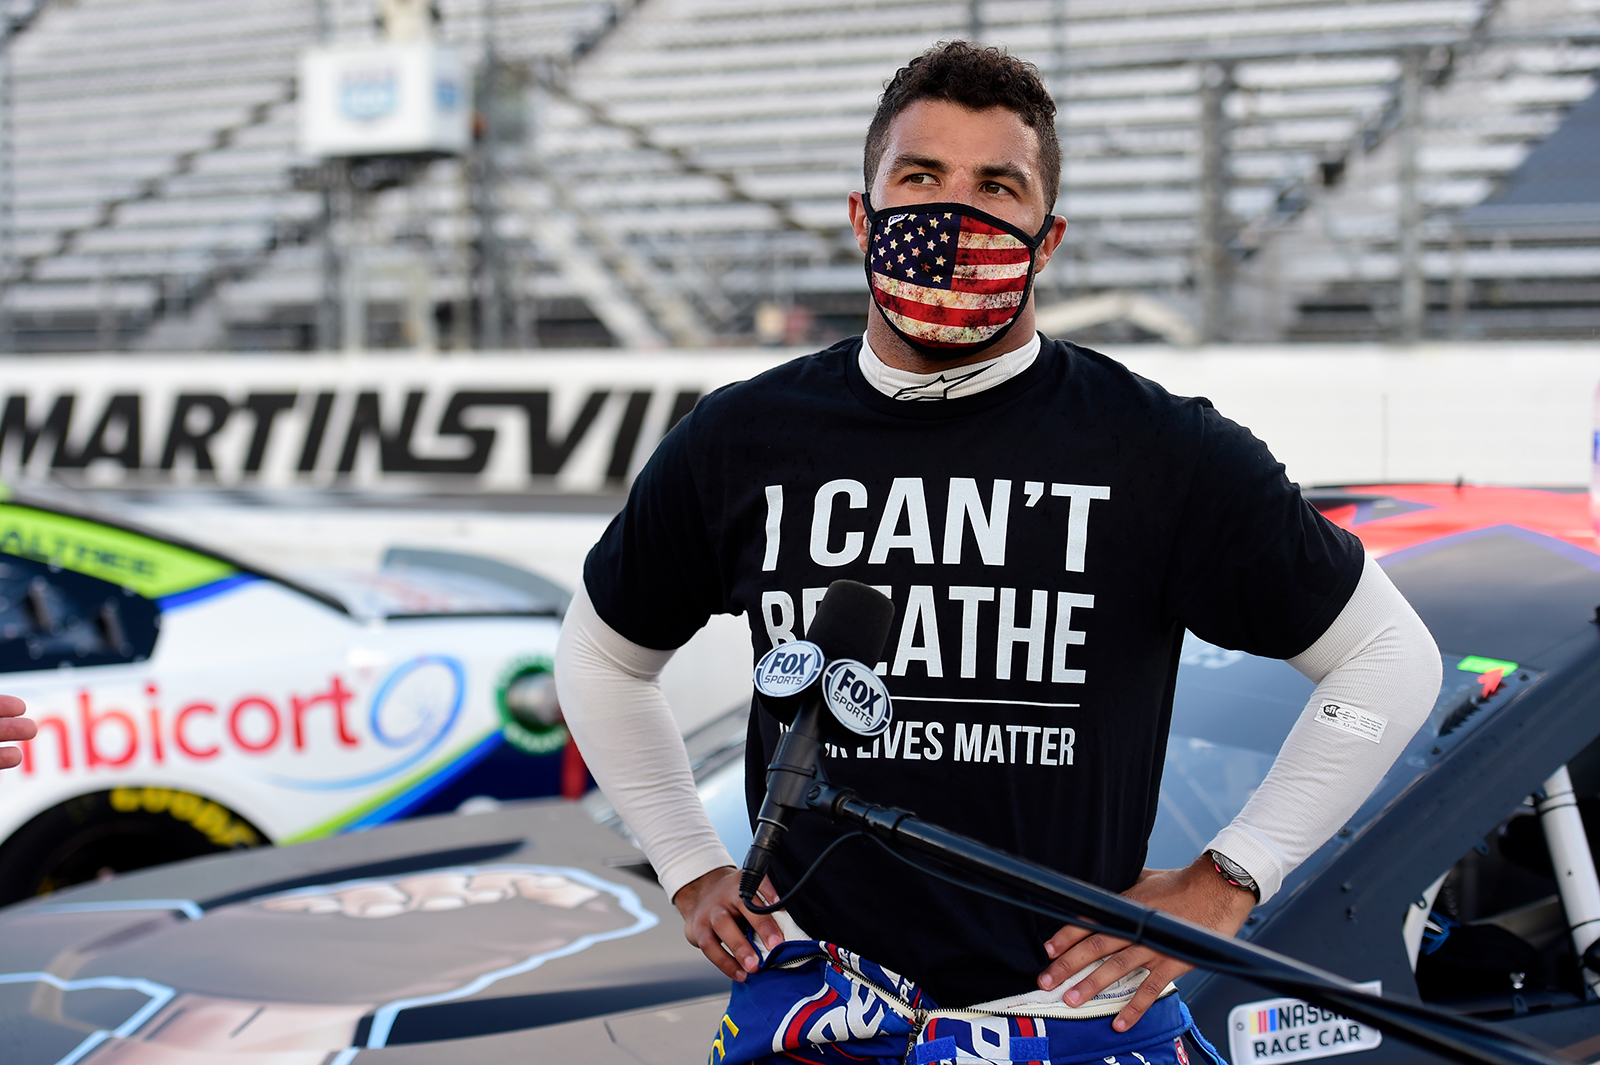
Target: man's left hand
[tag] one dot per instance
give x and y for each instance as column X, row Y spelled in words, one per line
column 1197, row 893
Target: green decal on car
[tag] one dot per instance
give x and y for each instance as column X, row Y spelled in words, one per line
column 150, row 567
column 530, row 716
column 1479, row 664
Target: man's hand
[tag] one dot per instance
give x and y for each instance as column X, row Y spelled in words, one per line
column 714, row 920
column 1197, row 893
column 13, row 726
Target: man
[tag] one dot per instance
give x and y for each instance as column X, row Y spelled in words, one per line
column 13, row 727
column 1048, row 525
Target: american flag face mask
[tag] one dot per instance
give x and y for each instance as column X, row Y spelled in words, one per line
column 949, row 279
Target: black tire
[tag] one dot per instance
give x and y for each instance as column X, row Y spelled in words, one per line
column 116, row 831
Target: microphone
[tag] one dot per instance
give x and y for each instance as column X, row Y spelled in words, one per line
column 852, row 622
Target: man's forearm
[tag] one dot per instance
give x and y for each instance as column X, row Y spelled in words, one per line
column 610, row 692
column 1377, row 657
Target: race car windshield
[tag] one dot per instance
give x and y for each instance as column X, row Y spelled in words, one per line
column 1232, row 711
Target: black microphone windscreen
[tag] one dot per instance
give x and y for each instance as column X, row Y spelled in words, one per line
column 852, row 621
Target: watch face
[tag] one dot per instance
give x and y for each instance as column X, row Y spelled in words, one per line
column 1236, row 873
column 1233, row 869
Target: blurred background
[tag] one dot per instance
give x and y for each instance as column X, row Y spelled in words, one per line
column 210, row 175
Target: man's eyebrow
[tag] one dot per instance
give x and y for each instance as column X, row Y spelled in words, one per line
column 908, row 161
column 1010, row 171
column 1007, row 170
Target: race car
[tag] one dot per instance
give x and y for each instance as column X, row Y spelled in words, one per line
column 534, row 932
column 189, row 702
column 1467, row 879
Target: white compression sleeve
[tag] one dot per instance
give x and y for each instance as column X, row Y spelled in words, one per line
column 1376, row 661
column 610, row 691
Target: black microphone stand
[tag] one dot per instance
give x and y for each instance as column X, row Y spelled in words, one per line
column 795, row 765
column 1460, row 1038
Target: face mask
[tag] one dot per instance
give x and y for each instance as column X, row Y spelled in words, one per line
column 949, row 279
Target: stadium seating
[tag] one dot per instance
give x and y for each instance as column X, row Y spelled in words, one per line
column 154, row 147
column 679, row 163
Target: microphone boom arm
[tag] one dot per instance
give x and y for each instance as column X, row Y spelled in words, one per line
column 1460, row 1038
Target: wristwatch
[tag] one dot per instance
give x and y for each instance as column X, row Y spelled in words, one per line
column 1235, row 874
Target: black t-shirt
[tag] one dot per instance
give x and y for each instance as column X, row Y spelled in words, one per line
column 1045, row 542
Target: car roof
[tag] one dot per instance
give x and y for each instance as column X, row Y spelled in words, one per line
column 412, row 583
column 185, row 567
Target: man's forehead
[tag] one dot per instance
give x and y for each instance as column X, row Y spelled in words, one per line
column 930, row 131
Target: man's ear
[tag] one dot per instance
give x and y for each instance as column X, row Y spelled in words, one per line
column 1047, row 247
column 858, row 220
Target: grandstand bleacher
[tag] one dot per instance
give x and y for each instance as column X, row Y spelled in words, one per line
column 672, row 166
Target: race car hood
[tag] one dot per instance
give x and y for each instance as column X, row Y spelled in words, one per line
column 513, row 934
column 1505, row 572
column 421, row 582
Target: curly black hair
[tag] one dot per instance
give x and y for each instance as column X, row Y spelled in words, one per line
column 976, row 78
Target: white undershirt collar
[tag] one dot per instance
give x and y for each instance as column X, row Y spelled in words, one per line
column 945, row 384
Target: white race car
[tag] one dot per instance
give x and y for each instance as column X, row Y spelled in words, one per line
column 188, row 702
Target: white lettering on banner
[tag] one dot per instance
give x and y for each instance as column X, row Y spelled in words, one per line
column 855, row 494
column 1078, row 498
column 1289, row 1029
column 769, row 561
